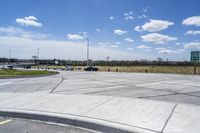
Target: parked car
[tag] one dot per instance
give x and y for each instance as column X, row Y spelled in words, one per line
column 69, row 68
column 91, row 68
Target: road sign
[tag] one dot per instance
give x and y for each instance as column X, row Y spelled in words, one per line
column 195, row 56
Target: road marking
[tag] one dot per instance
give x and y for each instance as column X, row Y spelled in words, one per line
column 6, row 121
column 6, row 83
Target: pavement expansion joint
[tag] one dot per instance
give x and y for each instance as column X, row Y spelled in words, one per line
column 190, row 95
column 169, row 117
column 158, row 95
column 98, row 105
column 62, row 79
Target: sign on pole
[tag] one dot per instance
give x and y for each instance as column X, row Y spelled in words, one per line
column 195, row 56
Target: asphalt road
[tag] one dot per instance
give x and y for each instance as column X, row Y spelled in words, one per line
column 167, row 87
column 12, row 125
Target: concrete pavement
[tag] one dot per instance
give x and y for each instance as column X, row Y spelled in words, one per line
column 166, row 87
column 135, row 115
column 133, row 102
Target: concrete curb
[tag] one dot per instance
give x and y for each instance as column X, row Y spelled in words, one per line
column 73, row 120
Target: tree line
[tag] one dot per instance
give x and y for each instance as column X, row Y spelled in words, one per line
column 98, row 62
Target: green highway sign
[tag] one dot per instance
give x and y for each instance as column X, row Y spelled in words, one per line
column 195, row 56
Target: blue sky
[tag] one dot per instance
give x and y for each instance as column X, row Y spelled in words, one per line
column 122, row 29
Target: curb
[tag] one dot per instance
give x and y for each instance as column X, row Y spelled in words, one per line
column 70, row 120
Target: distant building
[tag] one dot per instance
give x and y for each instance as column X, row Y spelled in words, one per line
column 56, row 62
column 195, row 56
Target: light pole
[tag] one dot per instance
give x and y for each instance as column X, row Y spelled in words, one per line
column 83, row 35
column 38, row 54
column 88, row 41
column 9, row 56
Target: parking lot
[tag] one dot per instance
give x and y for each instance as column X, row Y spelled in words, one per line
column 166, row 87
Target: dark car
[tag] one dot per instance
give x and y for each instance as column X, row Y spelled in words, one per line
column 27, row 67
column 91, row 68
column 10, row 67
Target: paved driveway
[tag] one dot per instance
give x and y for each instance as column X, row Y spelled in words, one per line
column 166, row 87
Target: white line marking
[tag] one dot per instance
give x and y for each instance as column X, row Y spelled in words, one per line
column 6, row 83
column 6, row 121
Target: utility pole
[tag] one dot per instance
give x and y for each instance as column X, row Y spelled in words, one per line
column 195, row 67
column 83, row 35
column 38, row 54
column 2, row 63
column 9, row 56
column 107, row 60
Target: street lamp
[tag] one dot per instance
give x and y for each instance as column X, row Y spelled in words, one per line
column 38, row 53
column 88, row 41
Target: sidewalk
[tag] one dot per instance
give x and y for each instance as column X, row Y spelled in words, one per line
column 128, row 114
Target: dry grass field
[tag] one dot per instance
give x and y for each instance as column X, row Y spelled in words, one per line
column 142, row 69
column 153, row 69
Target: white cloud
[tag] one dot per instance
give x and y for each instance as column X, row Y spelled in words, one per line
column 143, row 16
column 165, row 51
column 13, row 31
column 137, row 28
column 82, row 33
column 147, row 9
column 114, row 46
column 74, row 37
column 129, row 18
column 128, row 39
column 159, row 48
column 111, row 17
column 130, row 49
column 154, row 26
column 178, row 43
column 192, row 45
column 128, row 13
column 117, row 43
column 107, row 43
column 100, row 43
column 59, row 49
column 143, row 47
column 193, row 32
column 168, row 51
column 195, row 20
column 10, row 30
column 119, row 32
column 30, row 18
column 29, row 21
column 158, row 38
column 98, row 30
column 181, row 50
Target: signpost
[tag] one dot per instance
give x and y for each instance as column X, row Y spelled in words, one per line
column 195, row 57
